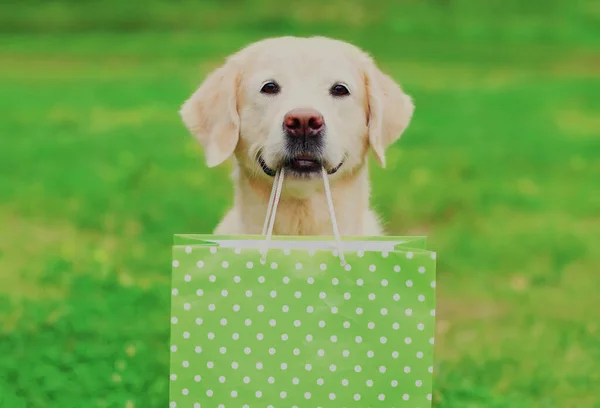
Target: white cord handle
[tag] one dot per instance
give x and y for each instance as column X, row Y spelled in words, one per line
column 272, row 211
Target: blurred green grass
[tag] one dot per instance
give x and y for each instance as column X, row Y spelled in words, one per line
column 500, row 169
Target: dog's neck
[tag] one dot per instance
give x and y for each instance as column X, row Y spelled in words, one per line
column 307, row 214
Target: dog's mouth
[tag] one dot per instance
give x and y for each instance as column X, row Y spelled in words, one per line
column 301, row 165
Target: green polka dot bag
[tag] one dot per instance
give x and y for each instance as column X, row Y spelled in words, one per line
column 298, row 327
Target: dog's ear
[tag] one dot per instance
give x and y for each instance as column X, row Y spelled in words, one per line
column 211, row 115
column 389, row 111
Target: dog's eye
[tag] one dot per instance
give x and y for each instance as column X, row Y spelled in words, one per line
column 270, row 88
column 339, row 90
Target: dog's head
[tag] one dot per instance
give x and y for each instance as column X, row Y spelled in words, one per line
column 298, row 103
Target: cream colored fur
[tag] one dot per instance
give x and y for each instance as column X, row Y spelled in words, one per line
column 231, row 118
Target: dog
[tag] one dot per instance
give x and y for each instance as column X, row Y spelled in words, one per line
column 301, row 104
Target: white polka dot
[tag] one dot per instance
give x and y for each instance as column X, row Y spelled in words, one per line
column 382, row 369
column 197, row 378
column 186, row 364
column 430, row 369
column 432, row 313
column 322, row 295
column 222, row 379
column 409, row 255
column 384, row 283
column 259, row 366
column 186, row 335
column 212, row 307
column 360, row 253
column 173, row 405
column 199, row 321
column 174, row 320
column 309, row 337
column 323, row 266
column 405, row 397
column 429, row 397
column 175, row 263
column 345, row 353
column 209, row 393
column 421, row 326
column 296, row 351
column 200, row 264
column 297, row 294
column 258, row 394
column 421, row 269
column 381, row 397
column 395, row 326
column 236, row 308
column 346, row 325
column 224, row 293
column 333, row 339
column 249, row 265
column 222, row 350
column 370, row 354
column 334, row 310
column 212, row 278
column 348, row 267
column 173, row 377
column 248, row 322
column 308, row 367
column 298, row 266
column 283, row 394
column 310, row 280
column 395, row 355
column 359, row 282
column 335, row 281
column 433, row 284
column 283, row 366
column 310, row 309
column 384, row 311
column 383, row 340
column 246, row 380
column 187, row 278
column 345, row 382
column 372, row 296
column 225, row 264
column 235, row 365
column 260, row 308
column 271, row 380
column 396, row 297
column 261, row 279
column 286, row 280
column 213, row 250
column 174, row 292
column 332, row 396
column 347, row 296
column 409, row 283
column 357, row 368
column 322, row 323
column 248, row 293
column 333, row 368
column 272, row 322
column 372, row 268
column 199, row 292
column 273, row 294
column 235, row 336
column 285, row 308
column 433, row 255
column 407, row 369
column 408, row 312
column 273, row 265
column 297, row 323
column 431, row 341
column 287, row 251
column 421, row 298
column 198, row 349
column 408, row 340
column 359, row 311
column 320, row 381
column 358, row 339
column 356, row 397
column 419, row 383
column 173, row 348
column 307, row 395
column 234, row 394
column 247, row 350
column 394, row 383
column 185, row 391
column 210, row 364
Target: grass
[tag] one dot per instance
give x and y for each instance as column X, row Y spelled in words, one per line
column 498, row 168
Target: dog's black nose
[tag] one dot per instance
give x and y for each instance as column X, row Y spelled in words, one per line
column 303, row 122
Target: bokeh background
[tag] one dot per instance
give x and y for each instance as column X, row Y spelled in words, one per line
column 500, row 168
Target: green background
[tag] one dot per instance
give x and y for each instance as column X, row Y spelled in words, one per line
column 497, row 168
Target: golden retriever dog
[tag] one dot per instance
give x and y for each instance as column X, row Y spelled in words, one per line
column 301, row 104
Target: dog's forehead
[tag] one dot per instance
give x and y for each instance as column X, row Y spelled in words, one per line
column 314, row 56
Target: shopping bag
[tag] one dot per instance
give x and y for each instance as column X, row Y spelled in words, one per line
column 298, row 328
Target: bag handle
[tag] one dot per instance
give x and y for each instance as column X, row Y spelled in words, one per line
column 272, row 211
